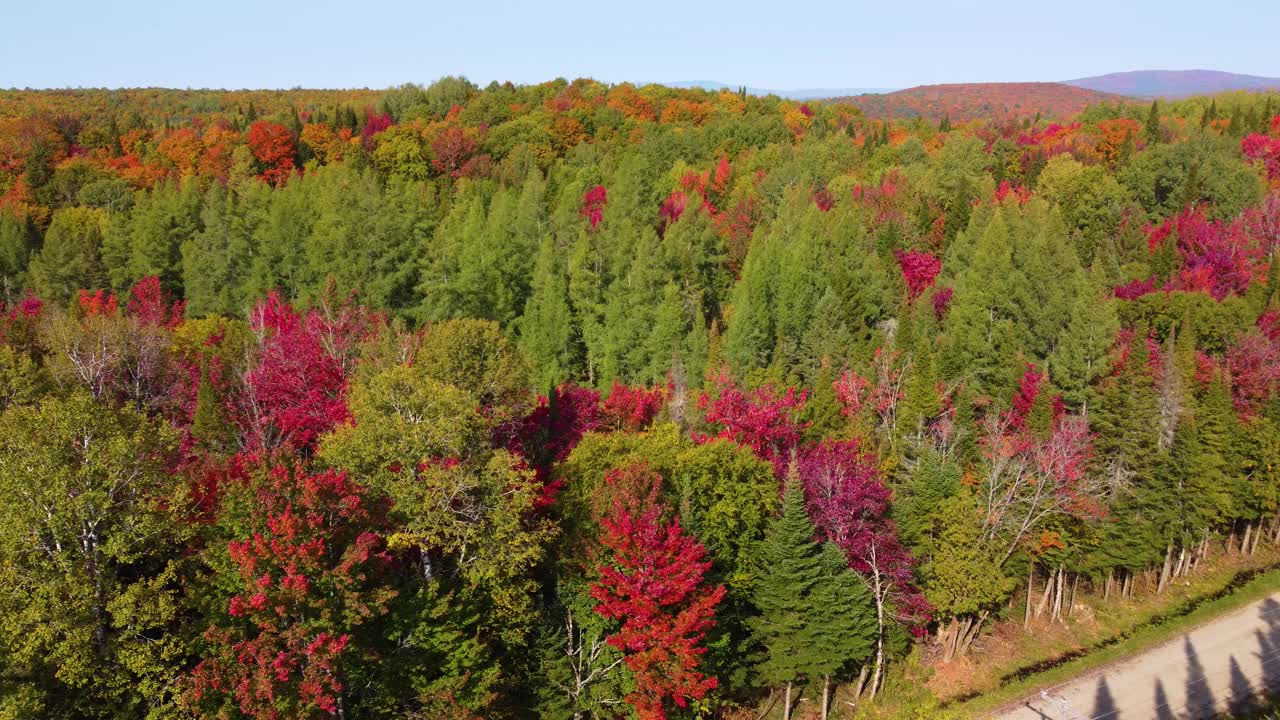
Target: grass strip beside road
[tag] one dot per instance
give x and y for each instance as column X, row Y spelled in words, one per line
column 1148, row 634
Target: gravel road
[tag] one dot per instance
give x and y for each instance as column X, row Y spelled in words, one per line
column 1213, row 669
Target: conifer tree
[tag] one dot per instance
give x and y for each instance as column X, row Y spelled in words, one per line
column 546, row 328
column 1080, row 358
column 1151, row 130
column 812, row 621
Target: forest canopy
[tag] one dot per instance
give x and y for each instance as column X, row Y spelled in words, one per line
column 579, row 400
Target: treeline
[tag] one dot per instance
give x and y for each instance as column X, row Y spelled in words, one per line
column 577, row 400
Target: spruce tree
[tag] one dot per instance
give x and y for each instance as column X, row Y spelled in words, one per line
column 788, row 592
column 546, row 328
column 1151, row 130
column 1080, row 357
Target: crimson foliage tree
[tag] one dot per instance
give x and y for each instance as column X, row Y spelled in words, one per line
column 309, row 580
column 764, row 420
column 274, row 146
column 651, row 579
column 297, row 390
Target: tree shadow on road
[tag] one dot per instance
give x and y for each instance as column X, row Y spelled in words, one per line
column 1162, row 707
column 1242, row 697
column 1104, row 706
column 1200, row 700
column 1269, row 645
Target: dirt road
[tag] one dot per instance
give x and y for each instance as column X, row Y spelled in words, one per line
column 1218, row 667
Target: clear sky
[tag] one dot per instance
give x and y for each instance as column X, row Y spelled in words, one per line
column 777, row 45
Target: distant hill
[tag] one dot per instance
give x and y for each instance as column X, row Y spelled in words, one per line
column 1173, row 83
column 802, row 94
column 965, row 101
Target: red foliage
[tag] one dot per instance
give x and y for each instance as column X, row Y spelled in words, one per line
column 1019, row 192
column 850, row 507
column 453, row 148
column 671, row 210
column 297, row 389
column 593, row 202
column 942, row 301
column 1025, row 397
column 762, row 420
column 310, row 575
column 374, row 123
column 1264, row 149
column 152, row 304
column 551, row 431
column 1254, row 365
column 1219, row 258
column 274, row 146
column 100, row 302
column 1135, row 289
column 857, row 395
column 634, row 408
column 966, row 101
column 822, row 198
column 650, row 577
column 919, row 270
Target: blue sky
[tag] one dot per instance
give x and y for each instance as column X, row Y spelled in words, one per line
column 779, row 45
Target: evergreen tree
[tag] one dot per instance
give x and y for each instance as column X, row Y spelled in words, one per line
column 812, row 622
column 1151, row 130
column 1080, row 358
column 546, row 328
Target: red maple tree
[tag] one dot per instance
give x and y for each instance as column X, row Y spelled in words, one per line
column 275, row 147
column 311, row 575
column 651, row 579
column 763, row 420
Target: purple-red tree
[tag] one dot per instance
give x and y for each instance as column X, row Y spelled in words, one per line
column 850, row 507
column 634, row 408
column 297, row 390
column 919, row 270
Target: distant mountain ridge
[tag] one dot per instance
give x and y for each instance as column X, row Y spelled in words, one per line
column 1173, row 83
column 800, row 94
column 965, row 101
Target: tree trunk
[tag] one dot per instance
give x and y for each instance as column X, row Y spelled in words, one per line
column 1057, row 601
column 1106, row 586
column 1044, row 596
column 861, row 684
column 826, row 695
column 879, row 665
column 1164, row 572
column 1244, row 544
column 786, row 704
column 971, row 633
column 1075, row 583
column 1031, row 581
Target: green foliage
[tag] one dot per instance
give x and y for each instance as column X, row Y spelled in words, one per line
column 90, row 623
column 815, row 617
column 71, row 257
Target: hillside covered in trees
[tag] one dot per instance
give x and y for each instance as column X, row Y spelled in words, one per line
column 587, row 401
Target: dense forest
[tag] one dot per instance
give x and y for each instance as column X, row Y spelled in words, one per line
column 579, row 400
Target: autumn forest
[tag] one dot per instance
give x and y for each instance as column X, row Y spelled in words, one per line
column 579, row 400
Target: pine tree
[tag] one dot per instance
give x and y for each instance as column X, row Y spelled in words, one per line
column 1079, row 359
column 815, row 615
column 1151, row 130
column 1127, row 419
column 546, row 328
column 208, row 422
